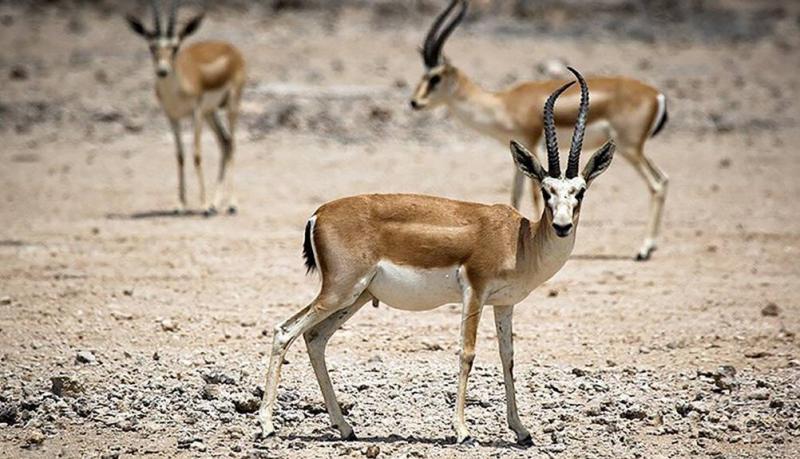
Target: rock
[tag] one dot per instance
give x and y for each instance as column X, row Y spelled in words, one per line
column 246, row 404
column 759, row 394
column 375, row 359
column 211, row 392
column 776, row 404
column 770, row 310
column 757, row 354
column 218, row 377
column 578, row 372
column 168, row 325
column 85, row 357
column 8, row 413
column 5, row 300
column 18, row 72
column 156, row 356
column 372, row 451
column 65, row 386
column 34, row 439
column 633, row 413
column 127, row 292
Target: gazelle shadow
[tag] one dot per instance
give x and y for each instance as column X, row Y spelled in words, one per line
column 158, row 214
column 329, row 438
column 600, row 257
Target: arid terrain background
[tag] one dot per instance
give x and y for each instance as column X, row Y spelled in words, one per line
column 127, row 331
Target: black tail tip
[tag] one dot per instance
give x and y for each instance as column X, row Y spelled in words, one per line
column 308, row 250
column 661, row 123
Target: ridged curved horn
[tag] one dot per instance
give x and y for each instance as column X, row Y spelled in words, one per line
column 434, row 42
column 553, row 162
column 156, row 17
column 573, row 163
column 173, row 18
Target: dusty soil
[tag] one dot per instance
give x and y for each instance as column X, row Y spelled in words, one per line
column 127, row 331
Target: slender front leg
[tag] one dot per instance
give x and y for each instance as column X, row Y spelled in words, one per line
column 198, row 159
column 503, row 316
column 316, row 341
column 470, row 317
column 176, row 132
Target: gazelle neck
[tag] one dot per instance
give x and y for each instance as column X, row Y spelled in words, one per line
column 480, row 109
column 548, row 252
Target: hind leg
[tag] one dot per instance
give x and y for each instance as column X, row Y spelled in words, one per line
column 657, row 182
column 225, row 142
column 316, row 341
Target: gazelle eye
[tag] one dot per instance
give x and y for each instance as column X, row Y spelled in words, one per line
column 580, row 194
column 436, row 79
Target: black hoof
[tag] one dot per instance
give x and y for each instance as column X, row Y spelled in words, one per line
column 232, row 210
column 210, row 212
column 642, row 256
column 525, row 441
column 351, row 437
column 467, row 441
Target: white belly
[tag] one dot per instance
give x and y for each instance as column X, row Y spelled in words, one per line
column 213, row 99
column 415, row 289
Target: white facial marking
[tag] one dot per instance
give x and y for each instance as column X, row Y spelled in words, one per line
column 563, row 198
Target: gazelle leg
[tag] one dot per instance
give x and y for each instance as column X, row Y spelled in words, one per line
column 233, row 118
column 226, row 148
column 284, row 336
column 657, row 182
column 198, row 159
column 316, row 341
column 470, row 317
column 517, row 187
column 176, row 132
column 503, row 316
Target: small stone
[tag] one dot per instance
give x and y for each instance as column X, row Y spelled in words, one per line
column 375, row 359
column 156, row 356
column 579, row 372
column 35, row 438
column 770, row 310
column 168, row 325
column 633, row 414
column 776, row 404
column 757, row 354
column 372, row 451
column 127, row 292
column 759, row 394
column 65, row 386
column 85, row 357
column 5, row 301
column 210, row 392
column 246, row 404
column 552, row 293
column 8, row 413
column 18, row 72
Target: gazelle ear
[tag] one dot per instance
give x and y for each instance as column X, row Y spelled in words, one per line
column 191, row 27
column 526, row 162
column 137, row 27
column 599, row 162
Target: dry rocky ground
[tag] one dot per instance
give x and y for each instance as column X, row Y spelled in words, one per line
column 125, row 331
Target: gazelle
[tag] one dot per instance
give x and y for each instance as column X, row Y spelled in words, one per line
column 197, row 81
column 417, row 253
column 628, row 110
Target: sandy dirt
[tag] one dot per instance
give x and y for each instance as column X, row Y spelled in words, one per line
column 127, row 331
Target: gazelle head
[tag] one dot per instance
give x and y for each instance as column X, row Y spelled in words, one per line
column 440, row 78
column 563, row 194
column 164, row 43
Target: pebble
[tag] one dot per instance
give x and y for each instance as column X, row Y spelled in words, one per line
column 770, row 310
column 168, row 325
column 65, row 386
column 85, row 357
column 5, row 301
column 372, row 451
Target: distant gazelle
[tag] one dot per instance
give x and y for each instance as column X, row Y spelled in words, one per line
column 417, row 253
column 625, row 109
column 198, row 82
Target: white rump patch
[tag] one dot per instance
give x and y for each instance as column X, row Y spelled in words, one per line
column 415, row 289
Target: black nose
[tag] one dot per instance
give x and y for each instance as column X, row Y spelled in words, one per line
column 414, row 104
column 562, row 230
column 161, row 73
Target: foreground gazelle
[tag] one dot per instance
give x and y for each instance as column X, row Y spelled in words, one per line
column 197, row 81
column 417, row 253
column 626, row 110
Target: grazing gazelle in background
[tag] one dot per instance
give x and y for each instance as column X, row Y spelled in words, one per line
column 627, row 110
column 197, row 81
column 417, row 253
